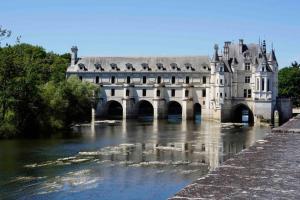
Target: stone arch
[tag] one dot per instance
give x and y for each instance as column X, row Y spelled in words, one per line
column 144, row 108
column 174, row 109
column 114, row 109
column 241, row 113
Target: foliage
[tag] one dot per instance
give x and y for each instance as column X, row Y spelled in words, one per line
column 4, row 33
column 68, row 101
column 289, row 82
column 34, row 93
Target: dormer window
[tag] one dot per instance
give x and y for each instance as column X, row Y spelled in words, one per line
column 188, row 66
column 173, row 66
column 97, row 66
column 159, row 66
column 113, row 66
column 129, row 66
column 82, row 67
column 145, row 66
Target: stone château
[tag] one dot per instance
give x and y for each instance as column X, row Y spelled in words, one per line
column 241, row 81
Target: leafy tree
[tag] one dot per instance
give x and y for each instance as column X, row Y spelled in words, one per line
column 34, row 93
column 67, row 102
column 289, row 82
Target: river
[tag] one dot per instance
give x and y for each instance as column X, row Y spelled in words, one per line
column 126, row 160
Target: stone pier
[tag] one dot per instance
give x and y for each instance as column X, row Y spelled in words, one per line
column 270, row 169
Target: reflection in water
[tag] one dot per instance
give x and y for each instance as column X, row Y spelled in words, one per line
column 121, row 161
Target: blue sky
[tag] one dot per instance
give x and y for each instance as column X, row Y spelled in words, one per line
column 156, row 27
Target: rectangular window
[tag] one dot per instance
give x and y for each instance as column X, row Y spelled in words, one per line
column 128, row 79
column 158, row 93
column 113, row 79
column 127, row 93
column 268, row 85
column 158, row 79
column 204, row 93
column 247, row 79
column 186, row 93
column 203, row 102
column 144, row 92
column 173, row 79
column 187, row 80
column 144, row 79
column 97, row 79
column 204, row 79
column 247, row 66
column 112, row 92
column 249, row 93
column 257, row 84
column 225, row 94
column 221, row 81
column 221, row 94
column 263, row 84
column 245, row 93
column 173, row 92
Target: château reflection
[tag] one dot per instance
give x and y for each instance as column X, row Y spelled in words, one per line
column 176, row 143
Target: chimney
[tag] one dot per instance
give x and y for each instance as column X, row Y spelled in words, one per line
column 241, row 43
column 264, row 48
column 226, row 50
column 74, row 51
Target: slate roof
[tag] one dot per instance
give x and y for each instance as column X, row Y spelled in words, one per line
column 186, row 63
column 251, row 52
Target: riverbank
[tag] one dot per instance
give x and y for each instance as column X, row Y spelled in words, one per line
column 270, row 169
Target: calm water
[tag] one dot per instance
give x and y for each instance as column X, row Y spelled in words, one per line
column 128, row 160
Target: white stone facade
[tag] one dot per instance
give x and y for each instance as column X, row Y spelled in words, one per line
column 244, row 77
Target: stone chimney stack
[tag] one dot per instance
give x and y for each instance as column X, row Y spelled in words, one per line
column 241, row 43
column 74, row 51
column 264, row 48
column 226, row 50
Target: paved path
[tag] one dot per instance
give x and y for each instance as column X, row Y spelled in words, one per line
column 270, row 169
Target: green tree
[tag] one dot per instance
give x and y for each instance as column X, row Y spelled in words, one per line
column 289, row 82
column 67, row 102
column 34, row 93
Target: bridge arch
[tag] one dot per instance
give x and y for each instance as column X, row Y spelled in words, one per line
column 114, row 109
column 174, row 109
column 144, row 109
column 241, row 113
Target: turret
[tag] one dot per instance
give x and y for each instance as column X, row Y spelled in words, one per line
column 74, row 51
column 215, row 57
